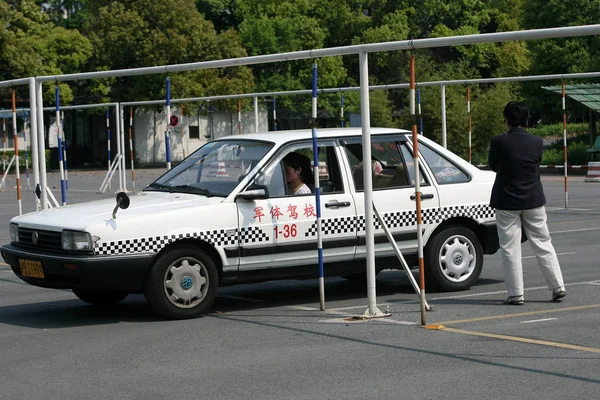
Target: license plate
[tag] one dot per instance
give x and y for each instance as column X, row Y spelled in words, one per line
column 32, row 269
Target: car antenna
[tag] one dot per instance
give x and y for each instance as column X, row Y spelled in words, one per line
column 122, row 202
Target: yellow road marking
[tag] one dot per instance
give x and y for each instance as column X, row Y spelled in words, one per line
column 524, row 340
column 460, row 321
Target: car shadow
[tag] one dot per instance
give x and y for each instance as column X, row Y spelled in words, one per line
column 273, row 294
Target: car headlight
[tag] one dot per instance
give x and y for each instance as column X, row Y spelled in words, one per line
column 75, row 240
column 14, row 233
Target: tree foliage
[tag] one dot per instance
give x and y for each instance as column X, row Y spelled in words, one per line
column 66, row 36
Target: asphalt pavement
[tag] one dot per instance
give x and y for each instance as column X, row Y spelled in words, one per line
column 271, row 340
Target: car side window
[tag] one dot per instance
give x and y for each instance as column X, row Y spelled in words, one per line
column 444, row 170
column 389, row 166
column 410, row 166
column 275, row 178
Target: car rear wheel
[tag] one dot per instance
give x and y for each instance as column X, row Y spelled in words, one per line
column 182, row 283
column 453, row 259
column 100, row 297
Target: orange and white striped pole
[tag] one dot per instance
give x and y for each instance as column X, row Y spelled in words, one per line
column 564, row 109
column 470, row 124
column 415, row 141
column 16, row 144
column 131, row 147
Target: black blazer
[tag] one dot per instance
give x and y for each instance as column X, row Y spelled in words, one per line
column 515, row 157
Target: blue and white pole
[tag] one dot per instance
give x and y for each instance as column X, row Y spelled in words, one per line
column 108, row 143
column 342, row 111
column 420, row 114
column 167, row 131
column 60, row 151
column 317, row 187
column 62, row 120
column 274, row 113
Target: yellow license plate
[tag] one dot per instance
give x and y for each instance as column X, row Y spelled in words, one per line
column 31, row 268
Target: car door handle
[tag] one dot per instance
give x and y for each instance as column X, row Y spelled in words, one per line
column 423, row 196
column 336, row 204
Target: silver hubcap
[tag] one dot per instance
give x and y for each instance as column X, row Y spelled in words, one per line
column 186, row 282
column 457, row 258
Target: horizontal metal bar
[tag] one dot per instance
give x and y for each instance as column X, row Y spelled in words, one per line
column 549, row 33
column 15, row 82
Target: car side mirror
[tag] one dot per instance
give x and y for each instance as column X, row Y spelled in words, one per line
column 254, row 192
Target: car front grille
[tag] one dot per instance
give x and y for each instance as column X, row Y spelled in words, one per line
column 46, row 239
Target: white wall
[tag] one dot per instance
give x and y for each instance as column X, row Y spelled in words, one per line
column 149, row 132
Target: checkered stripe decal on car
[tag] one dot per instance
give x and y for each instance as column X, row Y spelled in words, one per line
column 217, row 238
column 403, row 219
column 334, row 226
column 252, row 234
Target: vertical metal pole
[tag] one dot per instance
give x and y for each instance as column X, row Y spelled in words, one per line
column 119, row 151
column 4, row 149
column 420, row 114
column 33, row 134
column 240, row 116
column 122, row 139
column 564, row 106
column 274, row 113
column 167, row 131
column 317, row 187
column 256, row 113
column 41, row 144
column 108, row 143
column 64, row 148
column 365, row 116
column 444, row 133
column 16, row 145
column 182, row 131
column 342, row 111
column 26, row 151
column 131, row 146
column 470, row 124
column 63, row 188
column 415, row 140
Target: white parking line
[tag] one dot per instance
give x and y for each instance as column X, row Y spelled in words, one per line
column 594, row 282
column 558, row 254
column 537, row 320
column 575, row 230
column 567, row 209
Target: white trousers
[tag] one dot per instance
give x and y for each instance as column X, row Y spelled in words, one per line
column 533, row 222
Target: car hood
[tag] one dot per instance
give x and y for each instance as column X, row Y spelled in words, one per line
column 81, row 215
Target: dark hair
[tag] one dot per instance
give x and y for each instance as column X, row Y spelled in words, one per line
column 297, row 160
column 516, row 113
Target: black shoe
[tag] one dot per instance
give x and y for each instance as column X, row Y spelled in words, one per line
column 515, row 300
column 558, row 293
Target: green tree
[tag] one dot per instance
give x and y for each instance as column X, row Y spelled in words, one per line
column 143, row 33
column 557, row 56
column 31, row 45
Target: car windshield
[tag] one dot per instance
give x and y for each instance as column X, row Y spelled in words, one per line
column 215, row 169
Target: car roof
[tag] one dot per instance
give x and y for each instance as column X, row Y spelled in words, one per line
column 284, row 136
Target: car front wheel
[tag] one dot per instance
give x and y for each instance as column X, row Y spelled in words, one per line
column 182, row 283
column 453, row 259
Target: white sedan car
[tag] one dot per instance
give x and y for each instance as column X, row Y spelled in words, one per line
column 225, row 215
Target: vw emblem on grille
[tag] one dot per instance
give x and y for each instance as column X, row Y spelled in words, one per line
column 458, row 259
column 186, row 282
column 35, row 237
